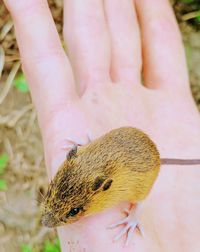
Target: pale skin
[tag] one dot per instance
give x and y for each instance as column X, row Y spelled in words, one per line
column 97, row 87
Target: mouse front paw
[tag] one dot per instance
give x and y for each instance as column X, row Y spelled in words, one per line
column 130, row 222
column 71, row 147
column 70, row 144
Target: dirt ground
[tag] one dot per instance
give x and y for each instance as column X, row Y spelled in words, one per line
column 20, row 137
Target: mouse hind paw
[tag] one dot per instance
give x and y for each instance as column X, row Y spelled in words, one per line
column 131, row 223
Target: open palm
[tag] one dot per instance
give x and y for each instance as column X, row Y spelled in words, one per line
column 97, row 88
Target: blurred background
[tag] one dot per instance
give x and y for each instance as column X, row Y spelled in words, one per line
column 23, row 178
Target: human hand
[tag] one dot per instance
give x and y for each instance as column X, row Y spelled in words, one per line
column 104, row 91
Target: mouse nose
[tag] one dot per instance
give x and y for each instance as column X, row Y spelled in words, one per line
column 48, row 220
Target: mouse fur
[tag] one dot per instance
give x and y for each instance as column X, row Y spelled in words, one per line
column 121, row 165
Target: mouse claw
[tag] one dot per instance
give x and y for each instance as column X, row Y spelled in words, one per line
column 126, row 211
column 130, row 226
column 69, row 143
column 131, row 223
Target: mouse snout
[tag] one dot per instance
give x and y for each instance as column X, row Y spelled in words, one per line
column 48, row 220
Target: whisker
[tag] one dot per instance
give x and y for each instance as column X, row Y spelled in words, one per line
column 41, row 194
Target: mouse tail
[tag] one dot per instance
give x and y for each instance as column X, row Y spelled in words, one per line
column 176, row 161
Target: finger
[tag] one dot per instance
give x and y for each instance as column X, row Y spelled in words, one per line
column 125, row 40
column 164, row 61
column 44, row 61
column 87, row 41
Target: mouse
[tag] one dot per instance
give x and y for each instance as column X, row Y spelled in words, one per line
column 121, row 165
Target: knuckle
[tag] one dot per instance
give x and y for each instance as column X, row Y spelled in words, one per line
column 43, row 62
column 163, row 25
column 41, row 57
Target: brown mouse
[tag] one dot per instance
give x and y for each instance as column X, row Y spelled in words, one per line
column 121, row 165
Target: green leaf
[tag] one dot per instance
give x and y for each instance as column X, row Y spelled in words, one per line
column 52, row 246
column 3, row 185
column 21, row 84
column 3, row 162
column 187, row 1
column 57, row 242
column 188, row 52
column 198, row 19
column 26, row 248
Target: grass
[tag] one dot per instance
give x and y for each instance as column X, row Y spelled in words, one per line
column 49, row 246
column 3, row 164
column 20, row 83
column 52, row 246
column 3, row 185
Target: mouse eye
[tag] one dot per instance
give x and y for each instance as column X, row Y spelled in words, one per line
column 74, row 211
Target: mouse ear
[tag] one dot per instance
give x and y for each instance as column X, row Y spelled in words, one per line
column 72, row 152
column 98, row 183
column 107, row 184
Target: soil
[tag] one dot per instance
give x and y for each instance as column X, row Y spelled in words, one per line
column 21, row 140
